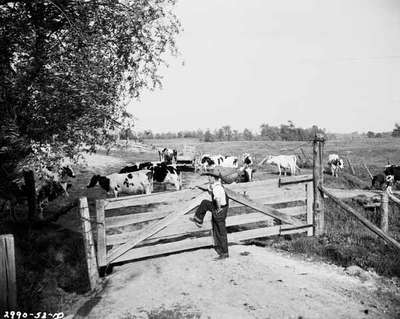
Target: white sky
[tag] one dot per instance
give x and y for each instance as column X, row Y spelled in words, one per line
column 335, row 64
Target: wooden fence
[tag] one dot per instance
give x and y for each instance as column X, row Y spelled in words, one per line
column 139, row 226
column 8, row 284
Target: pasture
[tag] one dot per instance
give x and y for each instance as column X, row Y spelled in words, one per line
column 345, row 243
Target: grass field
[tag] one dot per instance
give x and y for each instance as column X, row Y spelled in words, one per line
column 50, row 257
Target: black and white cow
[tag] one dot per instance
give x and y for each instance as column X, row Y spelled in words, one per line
column 167, row 155
column 392, row 173
column 382, row 182
column 140, row 182
column 335, row 163
column 210, row 162
column 60, row 176
column 162, row 172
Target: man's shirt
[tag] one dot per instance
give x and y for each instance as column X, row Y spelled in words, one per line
column 219, row 193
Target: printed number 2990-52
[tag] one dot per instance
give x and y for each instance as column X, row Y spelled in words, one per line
column 37, row 315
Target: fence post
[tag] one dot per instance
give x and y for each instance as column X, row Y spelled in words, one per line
column 384, row 212
column 309, row 207
column 101, row 235
column 8, row 283
column 88, row 243
column 318, row 205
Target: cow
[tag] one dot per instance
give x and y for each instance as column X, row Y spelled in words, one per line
column 167, row 174
column 60, row 176
column 392, row 173
column 382, row 182
column 287, row 162
column 162, row 173
column 247, row 159
column 137, row 167
column 246, row 174
column 167, row 155
column 210, row 162
column 335, row 163
column 129, row 183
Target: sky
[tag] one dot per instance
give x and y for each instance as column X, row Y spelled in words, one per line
column 335, row 64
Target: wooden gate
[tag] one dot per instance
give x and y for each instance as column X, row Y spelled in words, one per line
column 135, row 227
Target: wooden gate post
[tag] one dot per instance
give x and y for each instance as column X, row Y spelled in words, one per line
column 318, row 176
column 87, row 235
column 384, row 212
column 8, row 283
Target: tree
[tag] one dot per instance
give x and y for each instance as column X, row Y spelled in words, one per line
column 247, row 134
column 208, row 137
column 66, row 65
column 396, row 130
column 370, row 134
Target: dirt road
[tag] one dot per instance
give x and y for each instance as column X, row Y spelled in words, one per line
column 254, row 282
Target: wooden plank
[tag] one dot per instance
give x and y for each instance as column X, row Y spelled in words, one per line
column 145, row 199
column 363, row 220
column 287, row 230
column 295, row 179
column 350, row 193
column 118, row 221
column 268, row 183
column 157, row 226
column 192, row 243
column 309, row 207
column 101, row 233
column 265, row 209
column 384, row 212
column 90, row 253
column 8, row 282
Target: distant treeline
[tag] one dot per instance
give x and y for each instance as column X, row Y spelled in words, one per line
column 284, row 132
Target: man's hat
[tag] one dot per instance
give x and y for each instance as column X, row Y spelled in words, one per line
column 212, row 173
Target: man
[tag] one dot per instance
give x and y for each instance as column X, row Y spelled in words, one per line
column 218, row 206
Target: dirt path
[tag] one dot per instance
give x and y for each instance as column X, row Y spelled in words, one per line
column 254, row 282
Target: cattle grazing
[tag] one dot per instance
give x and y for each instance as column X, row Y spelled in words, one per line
column 287, row 162
column 167, row 155
column 128, row 183
column 162, row 173
column 335, row 163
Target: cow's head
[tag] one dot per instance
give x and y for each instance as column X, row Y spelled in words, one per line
column 103, row 181
column 68, row 171
column 390, row 179
column 340, row 163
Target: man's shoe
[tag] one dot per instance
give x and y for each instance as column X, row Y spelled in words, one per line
column 196, row 222
column 222, row 256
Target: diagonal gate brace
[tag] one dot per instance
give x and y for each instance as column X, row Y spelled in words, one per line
column 154, row 228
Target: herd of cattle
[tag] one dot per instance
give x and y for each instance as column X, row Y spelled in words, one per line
column 139, row 178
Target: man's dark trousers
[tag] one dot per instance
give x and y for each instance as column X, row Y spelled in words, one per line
column 218, row 224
